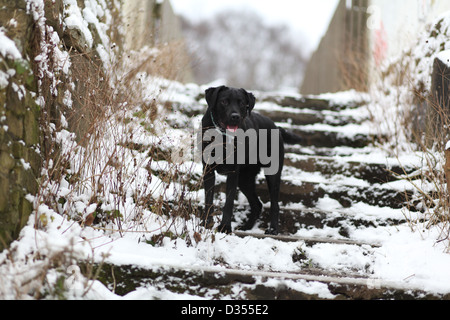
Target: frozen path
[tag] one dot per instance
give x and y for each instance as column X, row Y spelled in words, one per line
column 344, row 228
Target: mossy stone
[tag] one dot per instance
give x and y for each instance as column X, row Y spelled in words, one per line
column 31, row 128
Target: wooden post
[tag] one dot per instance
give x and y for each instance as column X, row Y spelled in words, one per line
column 439, row 102
column 438, row 111
column 447, row 166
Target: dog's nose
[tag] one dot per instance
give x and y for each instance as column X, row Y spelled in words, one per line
column 235, row 117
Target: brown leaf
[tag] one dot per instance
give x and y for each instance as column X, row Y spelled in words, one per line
column 197, row 237
column 89, row 220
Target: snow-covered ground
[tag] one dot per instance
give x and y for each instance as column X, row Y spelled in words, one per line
column 121, row 181
column 409, row 254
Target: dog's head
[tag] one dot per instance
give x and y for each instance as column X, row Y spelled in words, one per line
column 229, row 106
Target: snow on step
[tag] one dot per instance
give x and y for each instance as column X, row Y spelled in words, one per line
column 217, row 282
column 328, row 221
column 307, row 240
column 340, row 196
column 308, row 117
column 365, row 168
column 298, row 189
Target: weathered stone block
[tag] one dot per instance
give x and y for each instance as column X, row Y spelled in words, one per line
column 438, row 108
column 15, row 125
column 53, row 15
column 31, row 128
column 18, row 4
column 4, row 194
column 7, row 162
column 20, row 29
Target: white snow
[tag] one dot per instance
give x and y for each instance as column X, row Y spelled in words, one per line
column 108, row 178
column 75, row 20
column 406, row 256
column 8, row 48
column 444, row 56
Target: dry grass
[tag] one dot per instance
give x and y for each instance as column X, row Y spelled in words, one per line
column 353, row 70
column 418, row 124
column 106, row 105
column 168, row 61
column 92, row 160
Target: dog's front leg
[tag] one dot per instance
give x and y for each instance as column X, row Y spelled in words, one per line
column 232, row 184
column 209, row 181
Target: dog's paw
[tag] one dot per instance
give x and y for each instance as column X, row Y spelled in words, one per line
column 271, row 232
column 248, row 225
column 223, row 228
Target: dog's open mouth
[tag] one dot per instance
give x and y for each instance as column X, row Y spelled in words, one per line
column 229, row 128
column 232, row 128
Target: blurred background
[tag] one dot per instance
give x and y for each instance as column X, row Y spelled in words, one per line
column 256, row 44
column 311, row 47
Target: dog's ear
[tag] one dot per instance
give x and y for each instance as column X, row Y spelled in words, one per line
column 251, row 100
column 211, row 95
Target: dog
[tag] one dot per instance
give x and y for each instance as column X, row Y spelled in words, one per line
column 231, row 110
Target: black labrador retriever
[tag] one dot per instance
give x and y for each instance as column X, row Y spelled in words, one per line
column 229, row 116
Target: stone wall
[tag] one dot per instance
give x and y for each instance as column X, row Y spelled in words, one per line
column 19, row 119
column 388, row 29
column 438, row 108
column 340, row 61
column 50, row 52
column 149, row 22
column 154, row 23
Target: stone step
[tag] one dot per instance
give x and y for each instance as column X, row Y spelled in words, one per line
column 320, row 112
column 323, row 193
column 373, row 173
column 292, row 221
column 336, row 151
column 301, row 110
column 306, row 240
column 307, row 117
column 308, row 193
column 325, row 136
column 305, row 102
column 217, row 283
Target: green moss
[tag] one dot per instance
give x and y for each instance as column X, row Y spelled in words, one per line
column 31, row 128
column 21, row 66
column 4, row 198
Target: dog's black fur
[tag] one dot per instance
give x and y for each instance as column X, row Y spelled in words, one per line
column 232, row 108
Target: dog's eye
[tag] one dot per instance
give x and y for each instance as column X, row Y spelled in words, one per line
column 224, row 102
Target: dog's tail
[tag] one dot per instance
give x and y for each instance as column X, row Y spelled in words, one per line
column 290, row 137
